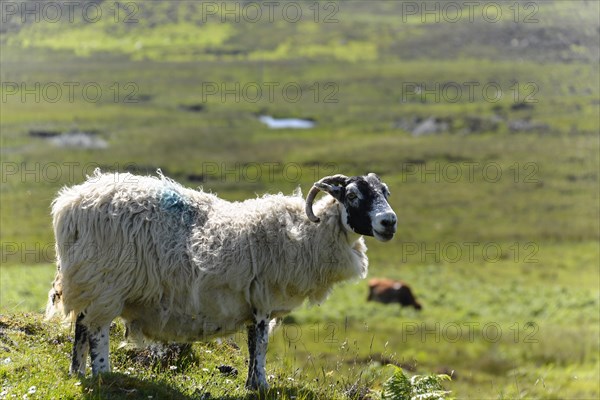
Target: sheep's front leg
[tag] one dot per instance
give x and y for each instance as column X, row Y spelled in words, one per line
column 81, row 346
column 258, row 339
column 99, row 347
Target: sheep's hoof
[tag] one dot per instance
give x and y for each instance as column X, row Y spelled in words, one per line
column 252, row 384
column 76, row 372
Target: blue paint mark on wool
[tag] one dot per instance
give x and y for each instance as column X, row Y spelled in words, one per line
column 173, row 202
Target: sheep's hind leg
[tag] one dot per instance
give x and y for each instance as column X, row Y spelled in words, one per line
column 252, row 356
column 99, row 346
column 258, row 339
column 80, row 348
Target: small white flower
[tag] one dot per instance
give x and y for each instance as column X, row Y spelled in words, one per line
column 205, row 370
column 7, row 360
column 173, row 367
column 32, row 390
column 77, row 383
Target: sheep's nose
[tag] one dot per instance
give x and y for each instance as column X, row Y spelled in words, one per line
column 387, row 220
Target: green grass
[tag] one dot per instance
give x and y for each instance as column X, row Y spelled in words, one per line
column 22, row 287
column 541, row 292
column 499, row 333
column 487, row 313
column 35, row 360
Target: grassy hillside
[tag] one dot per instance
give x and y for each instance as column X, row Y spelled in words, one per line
column 38, row 363
column 498, row 212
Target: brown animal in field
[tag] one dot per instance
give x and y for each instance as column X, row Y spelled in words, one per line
column 390, row 291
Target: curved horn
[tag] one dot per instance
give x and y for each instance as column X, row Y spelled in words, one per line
column 309, row 201
column 329, row 180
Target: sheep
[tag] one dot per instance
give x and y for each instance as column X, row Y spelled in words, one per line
column 389, row 291
column 181, row 265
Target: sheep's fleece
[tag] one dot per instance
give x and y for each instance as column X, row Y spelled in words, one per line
column 182, row 265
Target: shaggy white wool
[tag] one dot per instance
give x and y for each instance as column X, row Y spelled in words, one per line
column 181, row 264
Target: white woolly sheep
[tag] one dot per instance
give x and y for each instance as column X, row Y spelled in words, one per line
column 183, row 265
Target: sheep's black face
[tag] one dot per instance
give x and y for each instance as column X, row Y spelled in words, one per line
column 366, row 210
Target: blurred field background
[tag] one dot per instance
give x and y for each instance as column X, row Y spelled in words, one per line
column 483, row 119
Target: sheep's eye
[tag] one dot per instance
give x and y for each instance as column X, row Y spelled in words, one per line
column 351, row 196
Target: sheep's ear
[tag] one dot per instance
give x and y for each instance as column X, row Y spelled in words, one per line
column 336, row 191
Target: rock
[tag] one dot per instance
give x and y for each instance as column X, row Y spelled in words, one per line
column 227, row 370
column 475, row 124
column 43, row 133
column 431, row 126
column 526, row 125
column 196, row 178
column 407, row 123
column 79, row 140
column 521, row 106
column 192, row 107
